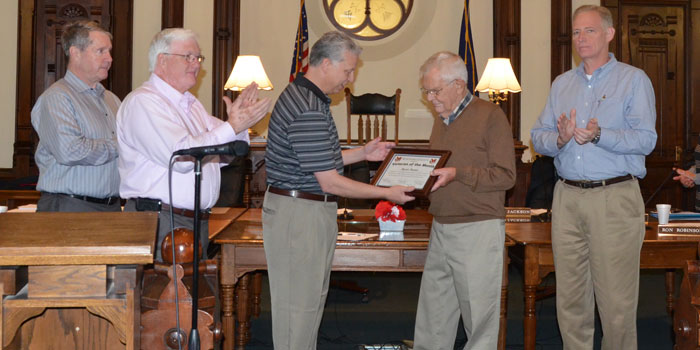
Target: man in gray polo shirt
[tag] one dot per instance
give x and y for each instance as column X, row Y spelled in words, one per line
column 304, row 175
column 75, row 119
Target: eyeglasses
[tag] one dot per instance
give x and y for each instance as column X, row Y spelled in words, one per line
column 436, row 92
column 189, row 57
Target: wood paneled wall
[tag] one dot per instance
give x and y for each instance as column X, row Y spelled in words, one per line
column 561, row 37
column 506, row 43
column 172, row 14
column 227, row 15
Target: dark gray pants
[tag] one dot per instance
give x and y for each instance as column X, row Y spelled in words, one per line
column 179, row 221
column 63, row 203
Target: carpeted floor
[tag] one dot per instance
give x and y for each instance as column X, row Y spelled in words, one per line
column 389, row 316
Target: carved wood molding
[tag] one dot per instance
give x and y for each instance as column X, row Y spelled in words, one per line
column 227, row 15
column 172, row 14
column 506, row 43
column 561, row 37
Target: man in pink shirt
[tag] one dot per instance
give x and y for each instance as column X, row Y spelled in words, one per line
column 161, row 117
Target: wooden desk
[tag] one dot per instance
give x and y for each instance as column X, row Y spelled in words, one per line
column 533, row 241
column 242, row 252
column 75, row 260
column 14, row 198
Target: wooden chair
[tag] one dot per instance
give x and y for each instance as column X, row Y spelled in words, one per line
column 686, row 314
column 371, row 111
column 158, row 304
column 368, row 108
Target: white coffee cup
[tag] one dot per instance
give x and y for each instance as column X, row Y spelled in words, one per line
column 3, row 208
column 663, row 210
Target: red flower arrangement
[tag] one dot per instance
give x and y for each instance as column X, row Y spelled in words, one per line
column 386, row 211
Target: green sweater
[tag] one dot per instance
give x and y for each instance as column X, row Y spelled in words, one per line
column 483, row 154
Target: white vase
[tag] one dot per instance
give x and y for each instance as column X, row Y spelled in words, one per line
column 391, row 226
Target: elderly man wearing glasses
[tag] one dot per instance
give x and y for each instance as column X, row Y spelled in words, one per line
column 161, row 117
column 463, row 270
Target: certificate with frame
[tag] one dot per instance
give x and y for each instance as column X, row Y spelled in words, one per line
column 411, row 167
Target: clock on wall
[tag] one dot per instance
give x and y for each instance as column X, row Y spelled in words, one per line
column 368, row 19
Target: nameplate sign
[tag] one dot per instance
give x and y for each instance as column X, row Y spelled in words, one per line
column 518, row 219
column 518, row 211
column 689, row 230
column 518, row 214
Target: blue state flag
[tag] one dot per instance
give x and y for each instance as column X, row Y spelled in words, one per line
column 466, row 49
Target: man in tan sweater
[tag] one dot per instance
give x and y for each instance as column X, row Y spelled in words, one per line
column 462, row 275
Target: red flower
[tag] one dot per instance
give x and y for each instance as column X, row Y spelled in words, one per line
column 386, row 211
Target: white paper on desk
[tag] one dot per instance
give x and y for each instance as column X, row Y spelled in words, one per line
column 27, row 208
column 354, row 236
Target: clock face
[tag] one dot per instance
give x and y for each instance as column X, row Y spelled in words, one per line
column 368, row 19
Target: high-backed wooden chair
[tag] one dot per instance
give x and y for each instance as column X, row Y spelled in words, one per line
column 368, row 109
column 369, row 112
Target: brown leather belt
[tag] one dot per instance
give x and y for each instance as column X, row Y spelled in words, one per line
column 303, row 195
column 204, row 215
column 598, row 183
column 149, row 204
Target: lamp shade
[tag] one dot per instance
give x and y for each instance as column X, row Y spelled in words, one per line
column 498, row 76
column 246, row 70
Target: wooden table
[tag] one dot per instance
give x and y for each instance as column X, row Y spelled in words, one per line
column 242, row 252
column 533, row 242
column 66, row 261
column 14, row 198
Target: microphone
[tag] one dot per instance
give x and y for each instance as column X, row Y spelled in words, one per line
column 235, row 148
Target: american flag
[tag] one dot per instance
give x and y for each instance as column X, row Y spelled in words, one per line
column 466, row 48
column 300, row 61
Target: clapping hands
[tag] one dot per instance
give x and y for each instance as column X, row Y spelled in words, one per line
column 247, row 109
column 567, row 130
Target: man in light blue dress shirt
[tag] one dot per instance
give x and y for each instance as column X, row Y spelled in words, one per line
column 75, row 119
column 598, row 124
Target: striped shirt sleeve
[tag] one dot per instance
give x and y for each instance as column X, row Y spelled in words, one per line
column 76, row 141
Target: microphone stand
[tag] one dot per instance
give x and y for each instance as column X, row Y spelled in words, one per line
column 193, row 341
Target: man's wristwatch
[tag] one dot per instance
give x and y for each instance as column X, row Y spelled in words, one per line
column 596, row 138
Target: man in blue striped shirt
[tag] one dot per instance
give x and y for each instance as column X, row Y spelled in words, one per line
column 76, row 122
column 598, row 212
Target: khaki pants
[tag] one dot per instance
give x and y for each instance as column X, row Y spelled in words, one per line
column 299, row 236
column 597, row 237
column 462, row 277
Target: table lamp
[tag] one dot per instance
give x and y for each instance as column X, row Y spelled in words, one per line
column 246, row 70
column 498, row 79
